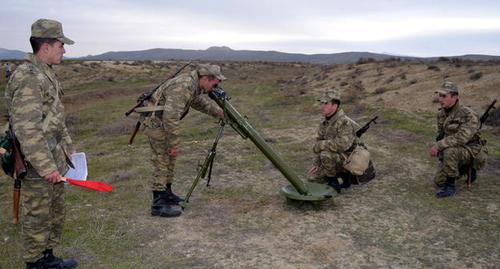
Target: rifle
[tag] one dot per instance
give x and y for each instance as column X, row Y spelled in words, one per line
column 20, row 168
column 207, row 165
column 482, row 120
column 146, row 96
column 365, row 127
column 486, row 113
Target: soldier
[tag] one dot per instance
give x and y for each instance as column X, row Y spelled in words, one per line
column 458, row 141
column 168, row 106
column 36, row 113
column 336, row 141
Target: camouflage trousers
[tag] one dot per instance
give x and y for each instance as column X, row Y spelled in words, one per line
column 330, row 164
column 163, row 164
column 451, row 161
column 43, row 216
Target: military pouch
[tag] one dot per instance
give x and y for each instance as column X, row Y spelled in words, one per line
column 358, row 161
column 480, row 159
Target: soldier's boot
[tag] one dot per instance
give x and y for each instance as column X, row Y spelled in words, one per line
column 346, row 180
column 53, row 262
column 160, row 207
column 334, row 183
column 448, row 189
column 171, row 197
column 35, row 265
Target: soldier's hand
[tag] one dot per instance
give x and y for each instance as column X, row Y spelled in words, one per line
column 53, row 177
column 220, row 115
column 173, row 152
column 434, row 151
column 313, row 170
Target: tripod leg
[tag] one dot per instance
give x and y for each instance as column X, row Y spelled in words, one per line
column 210, row 169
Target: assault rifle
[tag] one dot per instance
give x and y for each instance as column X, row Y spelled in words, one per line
column 486, row 113
column 365, row 127
column 146, row 96
column 472, row 174
column 20, row 168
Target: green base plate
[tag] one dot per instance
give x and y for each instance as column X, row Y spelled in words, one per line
column 317, row 192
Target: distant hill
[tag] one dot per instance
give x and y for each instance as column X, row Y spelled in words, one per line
column 6, row 54
column 228, row 54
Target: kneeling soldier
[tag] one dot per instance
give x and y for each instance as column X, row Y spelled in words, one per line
column 458, row 143
column 335, row 143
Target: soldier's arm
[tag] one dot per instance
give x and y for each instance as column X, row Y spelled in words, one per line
column 205, row 105
column 26, row 116
column 68, row 142
column 342, row 141
column 468, row 127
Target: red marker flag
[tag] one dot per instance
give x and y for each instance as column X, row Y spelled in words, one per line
column 89, row 184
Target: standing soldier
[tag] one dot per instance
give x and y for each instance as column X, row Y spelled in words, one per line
column 458, row 142
column 37, row 117
column 335, row 142
column 167, row 107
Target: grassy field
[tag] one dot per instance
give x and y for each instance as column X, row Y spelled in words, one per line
column 241, row 220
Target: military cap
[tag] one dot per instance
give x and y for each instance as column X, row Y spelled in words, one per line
column 330, row 95
column 211, row 70
column 45, row 28
column 448, row 87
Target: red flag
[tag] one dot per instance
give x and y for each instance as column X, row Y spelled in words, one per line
column 89, row 184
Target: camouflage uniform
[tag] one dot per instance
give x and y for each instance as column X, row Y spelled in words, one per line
column 175, row 97
column 459, row 141
column 33, row 98
column 336, row 139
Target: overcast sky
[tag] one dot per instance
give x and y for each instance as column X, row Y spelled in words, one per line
column 414, row 28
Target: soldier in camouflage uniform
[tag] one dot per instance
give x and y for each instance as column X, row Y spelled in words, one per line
column 37, row 116
column 161, row 118
column 335, row 141
column 458, row 141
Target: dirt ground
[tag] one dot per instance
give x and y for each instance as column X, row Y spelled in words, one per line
column 241, row 220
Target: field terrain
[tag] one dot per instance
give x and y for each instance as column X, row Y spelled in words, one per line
column 241, row 220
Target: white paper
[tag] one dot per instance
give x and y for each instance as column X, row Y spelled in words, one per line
column 80, row 162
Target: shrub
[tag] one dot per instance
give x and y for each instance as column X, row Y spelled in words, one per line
column 476, row 76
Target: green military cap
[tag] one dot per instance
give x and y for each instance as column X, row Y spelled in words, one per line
column 45, row 28
column 330, row 95
column 211, row 70
column 448, row 87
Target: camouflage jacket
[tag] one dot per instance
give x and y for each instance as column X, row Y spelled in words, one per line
column 458, row 126
column 37, row 116
column 176, row 96
column 337, row 134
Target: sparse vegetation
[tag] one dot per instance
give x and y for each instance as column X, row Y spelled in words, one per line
column 242, row 221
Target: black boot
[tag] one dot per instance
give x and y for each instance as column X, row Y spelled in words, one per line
column 346, row 180
column 448, row 189
column 171, row 198
column 161, row 208
column 51, row 261
column 334, row 183
column 35, row 265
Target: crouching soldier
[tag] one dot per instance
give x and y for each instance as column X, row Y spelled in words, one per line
column 339, row 152
column 458, row 146
column 161, row 118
